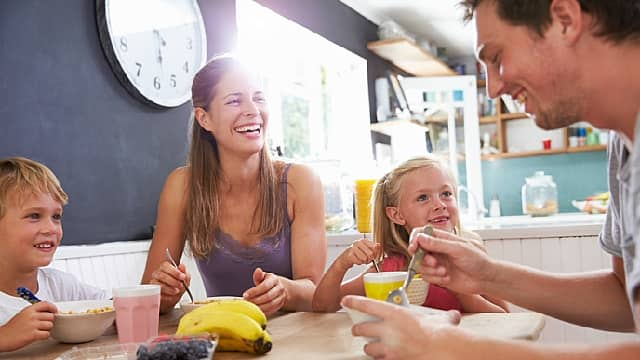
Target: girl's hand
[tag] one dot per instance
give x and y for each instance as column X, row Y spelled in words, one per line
column 362, row 251
column 32, row 323
column 170, row 280
column 268, row 293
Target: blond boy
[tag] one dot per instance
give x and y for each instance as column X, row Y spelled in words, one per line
column 31, row 202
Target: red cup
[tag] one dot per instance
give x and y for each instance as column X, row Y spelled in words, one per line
column 546, row 144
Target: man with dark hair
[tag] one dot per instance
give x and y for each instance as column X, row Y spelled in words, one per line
column 568, row 61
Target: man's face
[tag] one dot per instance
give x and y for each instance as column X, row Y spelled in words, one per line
column 535, row 70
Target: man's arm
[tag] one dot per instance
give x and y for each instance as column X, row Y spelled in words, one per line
column 595, row 299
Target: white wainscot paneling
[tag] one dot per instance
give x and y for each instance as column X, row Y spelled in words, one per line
column 116, row 264
column 559, row 255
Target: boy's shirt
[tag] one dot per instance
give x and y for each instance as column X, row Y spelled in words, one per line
column 53, row 286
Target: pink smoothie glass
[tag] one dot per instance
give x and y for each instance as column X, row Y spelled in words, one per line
column 137, row 312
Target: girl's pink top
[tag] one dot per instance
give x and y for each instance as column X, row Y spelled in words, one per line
column 437, row 297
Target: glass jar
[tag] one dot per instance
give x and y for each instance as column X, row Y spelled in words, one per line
column 539, row 195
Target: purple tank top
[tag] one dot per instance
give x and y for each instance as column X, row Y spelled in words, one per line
column 228, row 270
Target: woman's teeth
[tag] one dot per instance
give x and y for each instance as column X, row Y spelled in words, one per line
column 249, row 128
column 44, row 246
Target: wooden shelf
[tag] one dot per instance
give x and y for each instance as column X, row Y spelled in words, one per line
column 489, row 119
column 513, row 116
column 387, row 127
column 409, row 57
column 544, row 152
column 587, row 148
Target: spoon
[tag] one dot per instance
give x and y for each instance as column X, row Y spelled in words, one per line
column 399, row 295
column 176, row 266
column 26, row 294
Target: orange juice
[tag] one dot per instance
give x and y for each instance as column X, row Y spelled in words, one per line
column 363, row 192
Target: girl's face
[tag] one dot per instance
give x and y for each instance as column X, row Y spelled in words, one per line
column 237, row 116
column 30, row 232
column 426, row 197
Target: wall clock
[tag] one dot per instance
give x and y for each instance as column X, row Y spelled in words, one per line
column 154, row 47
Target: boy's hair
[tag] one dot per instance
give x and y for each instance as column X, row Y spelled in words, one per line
column 615, row 20
column 21, row 177
column 392, row 237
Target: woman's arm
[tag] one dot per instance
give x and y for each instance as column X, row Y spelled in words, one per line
column 331, row 289
column 169, row 235
column 308, row 240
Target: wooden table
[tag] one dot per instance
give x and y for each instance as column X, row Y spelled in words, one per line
column 311, row 335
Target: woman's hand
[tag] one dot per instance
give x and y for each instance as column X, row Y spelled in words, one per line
column 268, row 293
column 170, row 280
column 32, row 323
column 362, row 251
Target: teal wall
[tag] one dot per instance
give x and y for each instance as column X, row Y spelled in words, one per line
column 576, row 175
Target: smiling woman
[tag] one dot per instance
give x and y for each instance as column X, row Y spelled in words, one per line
column 249, row 220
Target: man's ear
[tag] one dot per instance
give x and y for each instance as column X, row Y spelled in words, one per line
column 394, row 215
column 567, row 19
column 201, row 117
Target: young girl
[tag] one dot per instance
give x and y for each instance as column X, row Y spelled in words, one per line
column 418, row 192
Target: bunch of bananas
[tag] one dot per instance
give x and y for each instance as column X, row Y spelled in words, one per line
column 239, row 324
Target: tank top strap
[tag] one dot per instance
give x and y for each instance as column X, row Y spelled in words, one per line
column 283, row 189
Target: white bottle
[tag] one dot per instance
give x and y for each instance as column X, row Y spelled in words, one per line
column 494, row 206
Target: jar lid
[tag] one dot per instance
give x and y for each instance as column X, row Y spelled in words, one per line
column 539, row 178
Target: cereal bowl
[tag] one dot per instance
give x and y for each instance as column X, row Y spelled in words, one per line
column 358, row 316
column 82, row 321
column 188, row 306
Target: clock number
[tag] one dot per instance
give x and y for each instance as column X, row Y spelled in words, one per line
column 186, row 66
column 189, row 43
column 139, row 69
column 156, row 83
column 123, row 44
column 173, row 81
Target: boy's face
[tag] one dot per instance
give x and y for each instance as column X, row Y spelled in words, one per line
column 30, row 232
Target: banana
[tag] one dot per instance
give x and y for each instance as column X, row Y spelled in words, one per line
column 236, row 305
column 600, row 196
column 235, row 331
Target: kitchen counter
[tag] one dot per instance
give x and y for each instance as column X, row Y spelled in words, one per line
column 513, row 227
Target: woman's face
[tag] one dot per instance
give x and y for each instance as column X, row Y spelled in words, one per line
column 237, row 116
column 426, row 197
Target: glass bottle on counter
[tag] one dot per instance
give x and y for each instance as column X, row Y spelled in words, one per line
column 539, row 195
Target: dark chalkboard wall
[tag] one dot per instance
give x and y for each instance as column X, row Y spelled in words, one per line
column 62, row 105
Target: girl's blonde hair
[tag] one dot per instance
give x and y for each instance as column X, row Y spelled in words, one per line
column 204, row 179
column 21, row 177
column 392, row 237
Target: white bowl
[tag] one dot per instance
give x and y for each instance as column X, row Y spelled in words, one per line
column 76, row 323
column 358, row 316
column 188, row 306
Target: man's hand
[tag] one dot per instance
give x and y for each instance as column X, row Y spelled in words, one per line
column 402, row 333
column 453, row 262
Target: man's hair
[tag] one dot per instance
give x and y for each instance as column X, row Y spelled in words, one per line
column 21, row 177
column 614, row 20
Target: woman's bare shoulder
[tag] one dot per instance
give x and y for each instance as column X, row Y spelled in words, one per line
column 177, row 178
column 301, row 174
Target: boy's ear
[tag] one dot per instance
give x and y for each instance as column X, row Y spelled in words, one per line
column 394, row 215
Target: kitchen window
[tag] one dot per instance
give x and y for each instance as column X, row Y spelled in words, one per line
column 317, row 91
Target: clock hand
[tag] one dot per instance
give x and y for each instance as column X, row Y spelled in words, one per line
column 159, row 43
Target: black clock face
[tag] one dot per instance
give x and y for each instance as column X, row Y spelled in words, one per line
column 153, row 46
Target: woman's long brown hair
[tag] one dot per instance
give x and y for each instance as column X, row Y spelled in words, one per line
column 204, row 173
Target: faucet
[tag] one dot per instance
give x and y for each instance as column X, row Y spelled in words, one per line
column 478, row 209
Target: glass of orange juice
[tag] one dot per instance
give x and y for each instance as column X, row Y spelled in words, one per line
column 363, row 192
